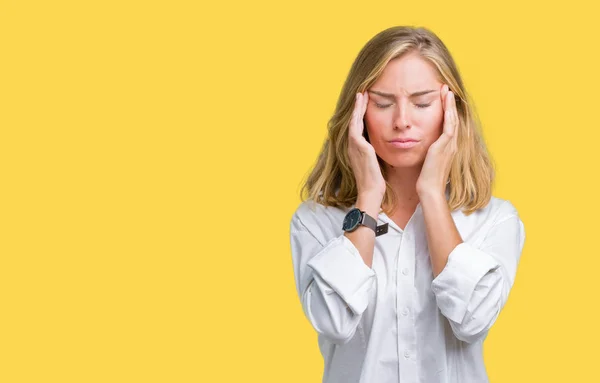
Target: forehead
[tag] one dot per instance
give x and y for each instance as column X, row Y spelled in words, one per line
column 408, row 73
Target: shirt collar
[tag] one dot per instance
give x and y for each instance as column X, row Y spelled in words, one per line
column 415, row 218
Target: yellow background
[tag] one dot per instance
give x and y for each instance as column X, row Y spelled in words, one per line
column 151, row 157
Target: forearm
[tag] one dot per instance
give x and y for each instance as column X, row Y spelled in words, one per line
column 442, row 234
column 332, row 280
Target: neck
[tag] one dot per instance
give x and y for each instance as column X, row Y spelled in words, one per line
column 404, row 184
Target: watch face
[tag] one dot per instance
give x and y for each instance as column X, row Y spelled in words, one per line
column 352, row 220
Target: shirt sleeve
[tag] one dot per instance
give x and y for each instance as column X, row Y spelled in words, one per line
column 474, row 285
column 332, row 281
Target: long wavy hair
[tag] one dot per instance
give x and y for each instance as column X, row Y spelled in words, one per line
column 331, row 181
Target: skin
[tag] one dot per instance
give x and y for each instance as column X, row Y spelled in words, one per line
column 419, row 117
column 417, row 174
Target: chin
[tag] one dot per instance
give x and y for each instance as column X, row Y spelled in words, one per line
column 403, row 161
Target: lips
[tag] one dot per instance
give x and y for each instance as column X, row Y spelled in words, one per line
column 404, row 143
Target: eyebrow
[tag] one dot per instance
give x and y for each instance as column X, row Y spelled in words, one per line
column 415, row 94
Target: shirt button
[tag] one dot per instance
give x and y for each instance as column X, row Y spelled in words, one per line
column 407, row 354
column 405, row 271
column 405, row 311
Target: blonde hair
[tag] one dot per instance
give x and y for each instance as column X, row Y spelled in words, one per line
column 331, row 182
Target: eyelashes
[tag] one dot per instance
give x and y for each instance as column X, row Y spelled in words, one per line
column 421, row 106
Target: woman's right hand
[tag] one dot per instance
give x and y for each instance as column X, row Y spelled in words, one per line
column 363, row 160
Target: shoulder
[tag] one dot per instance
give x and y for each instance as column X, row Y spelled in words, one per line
column 501, row 209
column 476, row 225
column 497, row 208
column 323, row 222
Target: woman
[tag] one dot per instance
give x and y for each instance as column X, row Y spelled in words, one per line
column 402, row 258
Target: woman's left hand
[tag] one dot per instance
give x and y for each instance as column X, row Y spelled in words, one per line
column 436, row 168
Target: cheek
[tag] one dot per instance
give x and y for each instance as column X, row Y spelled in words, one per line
column 432, row 122
column 432, row 116
column 373, row 118
column 429, row 121
column 375, row 124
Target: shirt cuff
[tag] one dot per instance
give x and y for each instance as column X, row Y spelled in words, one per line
column 341, row 266
column 454, row 286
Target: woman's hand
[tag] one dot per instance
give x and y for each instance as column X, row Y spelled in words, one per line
column 436, row 168
column 363, row 160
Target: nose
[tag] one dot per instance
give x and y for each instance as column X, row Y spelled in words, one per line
column 402, row 119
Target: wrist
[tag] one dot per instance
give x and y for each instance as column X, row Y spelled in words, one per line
column 370, row 204
column 432, row 200
column 431, row 196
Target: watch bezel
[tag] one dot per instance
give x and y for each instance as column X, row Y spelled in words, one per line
column 354, row 211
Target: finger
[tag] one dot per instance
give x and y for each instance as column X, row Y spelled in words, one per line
column 443, row 94
column 448, row 114
column 447, row 129
column 455, row 124
column 452, row 110
column 354, row 126
column 455, row 118
column 365, row 98
column 361, row 111
column 361, row 107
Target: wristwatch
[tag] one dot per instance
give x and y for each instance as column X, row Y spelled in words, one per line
column 355, row 217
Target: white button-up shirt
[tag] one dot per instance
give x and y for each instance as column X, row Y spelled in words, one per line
column 395, row 323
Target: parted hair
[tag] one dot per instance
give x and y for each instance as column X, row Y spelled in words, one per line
column 331, row 181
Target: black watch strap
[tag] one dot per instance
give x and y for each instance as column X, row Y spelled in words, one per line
column 370, row 222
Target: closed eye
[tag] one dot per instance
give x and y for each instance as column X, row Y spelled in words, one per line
column 380, row 106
